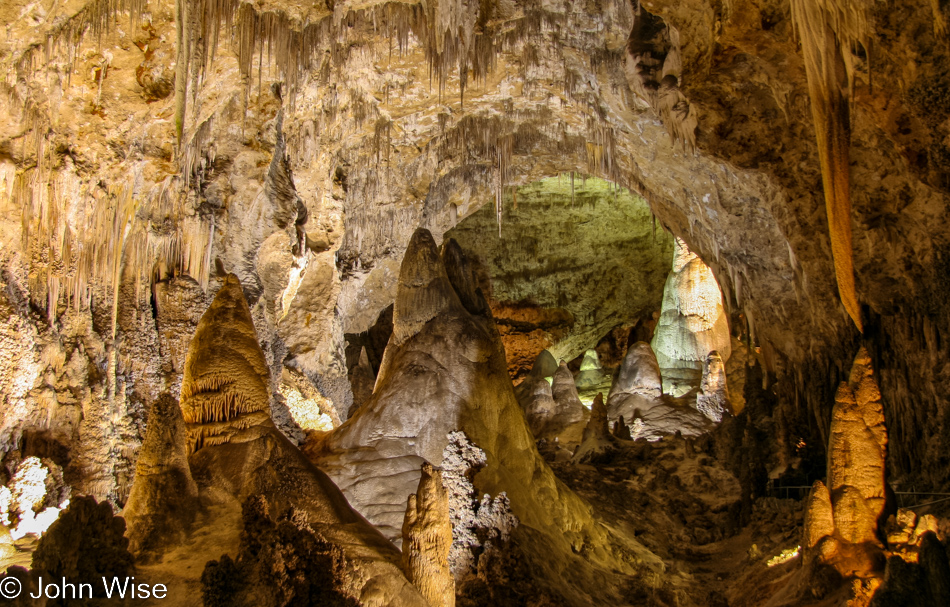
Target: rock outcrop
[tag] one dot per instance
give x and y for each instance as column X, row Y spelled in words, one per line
column 427, row 540
column 693, row 322
column 444, row 370
column 570, row 415
column 163, row 501
column 238, row 452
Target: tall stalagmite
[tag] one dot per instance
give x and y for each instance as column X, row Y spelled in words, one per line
column 164, row 498
column 444, row 370
column 842, row 520
column 427, row 540
column 238, row 452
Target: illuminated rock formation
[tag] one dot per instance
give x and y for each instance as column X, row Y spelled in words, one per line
column 163, row 501
column 597, row 443
column 692, row 323
column 444, row 370
column 843, row 519
column 569, row 413
column 638, row 384
column 427, row 540
column 225, row 389
column 713, row 399
column 591, row 372
column 238, row 451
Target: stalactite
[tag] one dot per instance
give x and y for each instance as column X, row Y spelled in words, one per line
column 829, row 30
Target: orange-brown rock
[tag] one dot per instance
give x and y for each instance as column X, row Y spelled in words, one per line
column 164, row 498
column 427, row 540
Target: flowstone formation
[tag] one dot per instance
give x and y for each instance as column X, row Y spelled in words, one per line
column 444, row 370
column 693, row 322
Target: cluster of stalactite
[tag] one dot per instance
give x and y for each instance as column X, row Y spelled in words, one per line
column 452, row 35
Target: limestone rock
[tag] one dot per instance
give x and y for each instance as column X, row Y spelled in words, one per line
column 638, row 385
column 819, row 520
column 282, row 562
column 427, row 540
column 225, row 385
column 639, row 373
column 569, row 410
column 164, row 498
column 475, row 524
column 597, row 443
column 362, row 380
column 858, row 444
column 591, row 373
column 445, row 371
column 713, row 399
column 86, row 543
column 238, row 452
column 855, row 496
column 622, row 430
column 424, row 289
column 693, row 322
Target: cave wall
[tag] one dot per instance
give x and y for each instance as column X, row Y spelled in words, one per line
column 378, row 134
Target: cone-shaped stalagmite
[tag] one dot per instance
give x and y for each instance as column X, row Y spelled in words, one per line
column 424, row 288
column 597, row 442
column 444, row 370
column 225, row 387
column 164, row 498
column 427, row 540
column 842, row 519
column 239, row 453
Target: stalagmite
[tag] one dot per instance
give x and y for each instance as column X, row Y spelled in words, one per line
column 444, row 374
column 713, row 400
column 569, row 409
column 597, row 443
column 225, row 385
column 424, row 288
column 164, row 498
column 819, row 520
column 842, row 521
column 237, row 448
column 693, row 322
column 427, row 539
column 591, row 372
column 639, row 373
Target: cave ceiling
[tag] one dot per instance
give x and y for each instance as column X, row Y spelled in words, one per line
column 300, row 145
